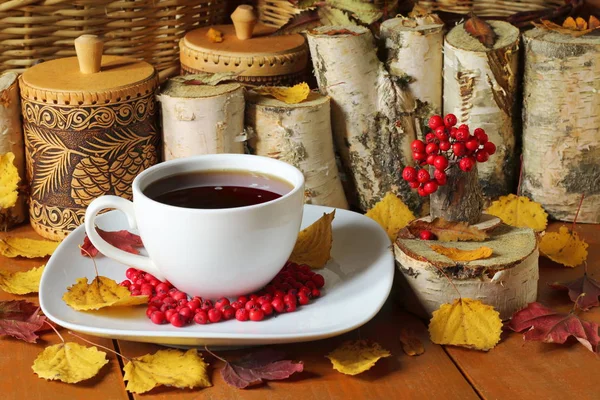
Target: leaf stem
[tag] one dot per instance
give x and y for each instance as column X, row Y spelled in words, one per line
column 449, row 279
column 90, row 256
column 214, row 355
column 99, row 345
column 576, row 303
column 577, row 213
column 55, row 330
column 520, row 176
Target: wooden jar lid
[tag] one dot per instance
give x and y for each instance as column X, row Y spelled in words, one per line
column 111, row 80
column 259, row 56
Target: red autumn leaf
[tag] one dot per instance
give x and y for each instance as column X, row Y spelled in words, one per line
column 254, row 368
column 124, row 240
column 548, row 326
column 20, row 319
column 584, row 291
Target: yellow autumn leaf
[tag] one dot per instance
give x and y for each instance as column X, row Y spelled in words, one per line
column 463, row 255
column 519, row 211
column 9, row 181
column 356, row 356
column 564, row 247
column 313, row 246
column 69, row 362
column 290, row 95
column 29, row 248
column 392, row 214
column 101, row 292
column 166, row 367
column 22, row 282
column 214, row 35
column 467, row 323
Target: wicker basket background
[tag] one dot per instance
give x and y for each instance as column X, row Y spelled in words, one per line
column 35, row 30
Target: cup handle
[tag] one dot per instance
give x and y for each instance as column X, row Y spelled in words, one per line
column 126, row 207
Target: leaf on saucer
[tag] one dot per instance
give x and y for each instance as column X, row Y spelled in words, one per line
column 411, row 345
column 564, row 247
column 519, row 211
column 356, row 356
column 252, row 369
column 447, row 231
column 467, row 323
column 123, row 240
column 463, row 255
column 69, row 362
column 20, row 319
column 22, row 282
column 101, row 292
column 9, row 181
column 290, row 95
column 392, row 214
column 166, row 367
column 313, row 246
column 29, row 248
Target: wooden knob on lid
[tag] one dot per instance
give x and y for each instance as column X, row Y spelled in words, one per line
column 89, row 53
column 244, row 19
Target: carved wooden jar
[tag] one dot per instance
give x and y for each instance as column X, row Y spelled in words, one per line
column 90, row 127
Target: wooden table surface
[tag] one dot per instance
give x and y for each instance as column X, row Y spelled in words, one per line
column 513, row 370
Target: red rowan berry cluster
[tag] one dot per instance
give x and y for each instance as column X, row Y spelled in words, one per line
column 443, row 146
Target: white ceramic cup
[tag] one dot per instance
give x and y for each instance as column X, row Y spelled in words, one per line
column 208, row 252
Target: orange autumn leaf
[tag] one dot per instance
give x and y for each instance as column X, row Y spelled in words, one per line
column 481, row 30
column 411, row 345
column 214, row 35
column 447, row 231
column 594, row 23
column 570, row 23
column 463, row 255
column 570, row 26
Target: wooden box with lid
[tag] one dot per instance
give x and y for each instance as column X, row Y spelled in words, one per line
column 90, row 127
column 247, row 49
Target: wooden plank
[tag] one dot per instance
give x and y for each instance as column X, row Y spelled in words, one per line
column 429, row 376
column 516, row 369
column 18, row 381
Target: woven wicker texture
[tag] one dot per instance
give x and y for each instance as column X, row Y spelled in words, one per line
column 35, row 30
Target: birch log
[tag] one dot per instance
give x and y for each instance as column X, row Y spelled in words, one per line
column 11, row 140
column 561, row 124
column 413, row 53
column 299, row 134
column 202, row 119
column 507, row 280
column 480, row 87
column 372, row 115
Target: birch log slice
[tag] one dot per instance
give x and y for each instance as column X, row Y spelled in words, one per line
column 11, row 140
column 299, row 134
column 202, row 119
column 561, row 124
column 413, row 53
column 480, row 89
column 372, row 114
column 507, row 280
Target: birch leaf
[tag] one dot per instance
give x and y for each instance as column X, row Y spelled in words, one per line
column 354, row 357
column 466, row 323
column 313, row 246
column 101, row 292
column 290, row 95
column 519, row 211
column 564, row 247
column 24, row 247
column 481, row 31
column 69, row 362
column 392, row 214
column 22, row 282
column 166, row 367
column 447, row 231
column 463, row 255
column 9, row 181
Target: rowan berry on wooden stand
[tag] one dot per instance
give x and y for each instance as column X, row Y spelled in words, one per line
column 446, row 168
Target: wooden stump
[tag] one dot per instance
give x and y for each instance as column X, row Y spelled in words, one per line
column 299, row 134
column 460, row 199
column 507, row 280
column 413, row 53
column 202, row 119
column 480, row 89
column 372, row 114
column 561, row 124
column 11, row 140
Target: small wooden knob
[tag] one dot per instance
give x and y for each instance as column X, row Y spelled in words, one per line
column 244, row 19
column 89, row 53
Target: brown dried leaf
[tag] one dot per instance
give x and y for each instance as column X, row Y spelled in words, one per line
column 551, row 26
column 411, row 345
column 593, row 23
column 481, row 31
column 581, row 24
column 447, row 231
